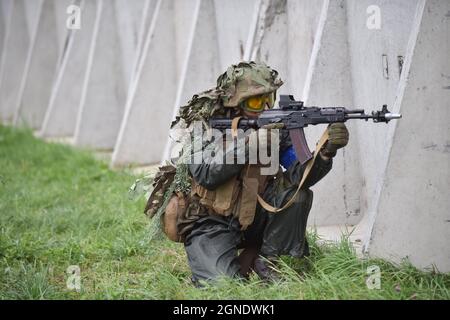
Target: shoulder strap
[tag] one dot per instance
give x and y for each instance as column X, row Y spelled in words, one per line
column 308, row 168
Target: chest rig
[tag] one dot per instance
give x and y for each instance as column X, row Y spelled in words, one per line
column 237, row 197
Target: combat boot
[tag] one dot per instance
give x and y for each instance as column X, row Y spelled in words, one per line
column 265, row 269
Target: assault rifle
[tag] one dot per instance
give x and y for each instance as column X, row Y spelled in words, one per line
column 294, row 116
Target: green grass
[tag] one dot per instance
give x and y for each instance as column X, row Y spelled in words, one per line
column 60, row 207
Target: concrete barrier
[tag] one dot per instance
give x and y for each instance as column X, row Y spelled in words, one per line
column 412, row 218
column 232, row 37
column 16, row 45
column 328, row 83
column 104, row 88
column 129, row 21
column 40, row 69
column 61, row 114
column 375, row 74
column 150, row 100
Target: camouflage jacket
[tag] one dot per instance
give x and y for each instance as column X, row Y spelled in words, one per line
column 211, row 174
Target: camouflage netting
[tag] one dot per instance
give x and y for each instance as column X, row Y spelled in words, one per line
column 201, row 107
column 247, row 79
column 239, row 82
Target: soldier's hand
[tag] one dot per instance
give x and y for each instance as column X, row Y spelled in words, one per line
column 337, row 138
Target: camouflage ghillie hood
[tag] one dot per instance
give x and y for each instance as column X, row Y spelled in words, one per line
column 247, row 79
column 239, row 82
column 201, row 107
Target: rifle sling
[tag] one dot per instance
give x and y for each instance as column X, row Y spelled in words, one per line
column 308, row 168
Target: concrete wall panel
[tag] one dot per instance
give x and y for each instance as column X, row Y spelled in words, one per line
column 413, row 216
column 303, row 19
column 61, row 19
column 144, row 130
column 271, row 41
column 232, row 37
column 129, row 20
column 104, row 89
column 184, row 11
column 61, row 114
column 373, row 86
column 32, row 14
column 39, row 74
column 17, row 42
column 328, row 83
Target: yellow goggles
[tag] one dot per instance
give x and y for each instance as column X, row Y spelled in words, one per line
column 259, row 103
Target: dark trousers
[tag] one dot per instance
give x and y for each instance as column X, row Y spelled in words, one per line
column 213, row 244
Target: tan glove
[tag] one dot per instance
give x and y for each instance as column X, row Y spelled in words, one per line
column 338, row 138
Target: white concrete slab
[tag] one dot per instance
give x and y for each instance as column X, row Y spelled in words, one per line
column 233, row 20
column 271, row 40
column 104, row 88
column 184, row 11
column 129, row 20
column 16, row 45
column 144, row 129
column 303, row 18
column 4, row 13
column 32, row 14
column 413, row 216
column 328, row 83
column 61, row 19
column 371, row 86
column 61, row 114
column 40, row 70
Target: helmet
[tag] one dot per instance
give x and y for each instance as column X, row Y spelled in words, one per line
column 245, row 80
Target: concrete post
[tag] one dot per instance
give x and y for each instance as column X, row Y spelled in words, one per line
column 16, row 44
column 413, row 219
column 328, row 83
column 303, row 19
column 148, row 110
column 61, row 114
column 104, row 88
column 42, row 60
column 376, row 53
column 129, row 20
column 232, row 37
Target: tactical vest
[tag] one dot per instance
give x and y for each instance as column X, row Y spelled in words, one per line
column 238, row 196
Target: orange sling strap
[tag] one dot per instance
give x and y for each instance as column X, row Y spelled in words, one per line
column 308, row 168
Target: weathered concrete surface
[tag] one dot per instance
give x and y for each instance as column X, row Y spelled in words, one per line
column 271, row 39
column 303, row 18
column 413, row 216
column 16, row 44
column 201, row 64
column 150, row 100
column 61, row 115
column 129, row 21
column 5, row 7
column 104, row 89
column 184, row 12
column 372, row 87
column 328, row 83
column 232, row 37
column 61, row 28
column 39, row 74
column 32, row 15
